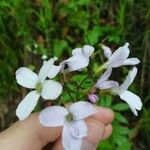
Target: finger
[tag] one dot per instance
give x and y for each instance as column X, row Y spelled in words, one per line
column 108, row 132
column 105, row 115
column 96, row 130
column 28, row 134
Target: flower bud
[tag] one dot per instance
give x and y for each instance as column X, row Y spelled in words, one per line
column 92, row 98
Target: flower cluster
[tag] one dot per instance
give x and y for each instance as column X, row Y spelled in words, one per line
column 71, row 117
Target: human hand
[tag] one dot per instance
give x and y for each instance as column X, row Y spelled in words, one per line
column 31, row 135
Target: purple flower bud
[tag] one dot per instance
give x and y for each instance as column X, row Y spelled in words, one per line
column 92, row 98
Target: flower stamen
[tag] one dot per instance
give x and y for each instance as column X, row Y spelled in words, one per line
column 69, row 117
column 38, row 87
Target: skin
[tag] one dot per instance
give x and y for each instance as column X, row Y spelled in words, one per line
column 30, row 134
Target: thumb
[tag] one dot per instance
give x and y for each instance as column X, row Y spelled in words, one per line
column 28, row 134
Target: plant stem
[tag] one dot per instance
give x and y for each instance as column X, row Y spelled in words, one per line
column 98, row 71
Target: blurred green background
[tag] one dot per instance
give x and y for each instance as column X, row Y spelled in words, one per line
column 31, row 29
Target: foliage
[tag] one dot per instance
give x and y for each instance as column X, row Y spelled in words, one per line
column 31, row 29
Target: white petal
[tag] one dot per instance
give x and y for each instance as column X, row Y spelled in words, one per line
column 77, row 62
column 105, row 76
column 114, row 63
column 26, row 77
column 129, row 79
column 51, row 89
column 88, row 50
column 53, row 116
column 53, row 71
column 27, row 105
column 133, row 101
column 107, row 51
column 69, row 142
column 118, row 57
column 82, row 109
column 77, row 51
column 132, row 61
column 79, row 129
column 45, row 69
column 107, row 84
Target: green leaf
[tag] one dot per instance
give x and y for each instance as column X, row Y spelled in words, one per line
column 120, row 107
column 119, row 139
column 120, row 118
column 106, row 101
column 121, row 130
column 105, row 145
column 125, row 146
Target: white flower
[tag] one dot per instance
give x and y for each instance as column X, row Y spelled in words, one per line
column 104, row 83
column 53, row 71
column 119, row 57
column 74, row 127
column 79, row 60
column 48, row 89
column 133, row 100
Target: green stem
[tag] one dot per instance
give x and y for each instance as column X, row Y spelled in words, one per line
column 98, row 71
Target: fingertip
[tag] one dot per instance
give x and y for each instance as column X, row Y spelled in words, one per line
column 106, row 115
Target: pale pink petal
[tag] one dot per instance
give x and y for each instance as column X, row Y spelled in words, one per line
column 129, row 79
column 77, row 51
column 53, row 71
column 118, row 57
column 69, row 142
column 82, row 109
column 107, row 51
column 133, row 101
column 77, row 62
column 88, row 50
column 45, row 69
column 51, row 90
column 107, row 84
column 114, row 64
column 105, row 76
column 132, row 61
column 27, row 105
column 26, row 77
column 79, row 129
column 53, row 116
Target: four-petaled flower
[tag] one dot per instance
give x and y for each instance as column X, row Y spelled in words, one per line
column 130, row 98
column 74, row 127
column 119, row 57
column 79, row 60
column 48, row 89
